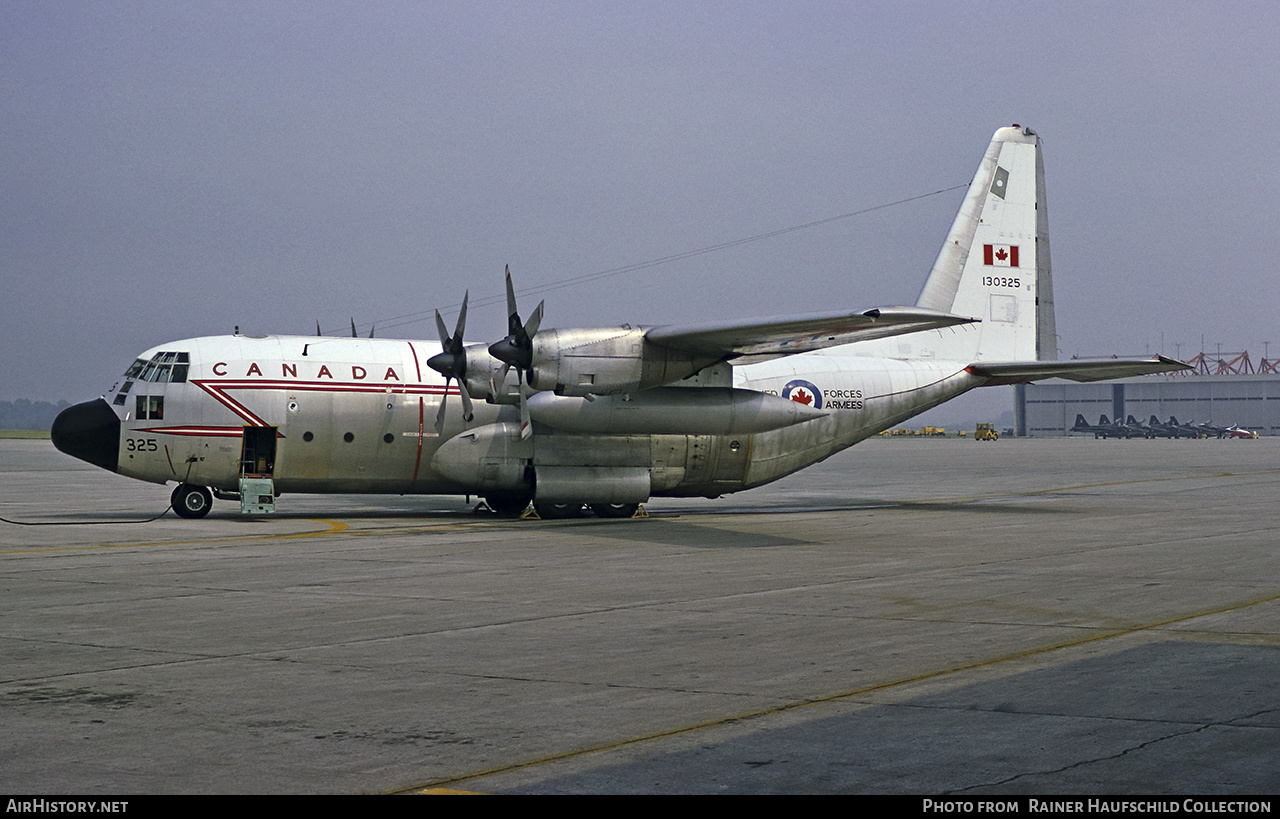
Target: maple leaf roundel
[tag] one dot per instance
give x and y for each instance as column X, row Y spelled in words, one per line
column 803, row 392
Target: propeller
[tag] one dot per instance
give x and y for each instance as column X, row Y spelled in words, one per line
column 451, row 362
column 516, row 350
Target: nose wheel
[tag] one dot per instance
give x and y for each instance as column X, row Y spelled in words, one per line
column 191, row 501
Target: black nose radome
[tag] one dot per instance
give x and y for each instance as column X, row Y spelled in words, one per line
column 90, row 432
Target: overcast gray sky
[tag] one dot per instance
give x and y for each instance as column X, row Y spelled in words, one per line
column 175, row 169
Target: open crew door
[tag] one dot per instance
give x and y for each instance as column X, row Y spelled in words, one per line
column 257, row 470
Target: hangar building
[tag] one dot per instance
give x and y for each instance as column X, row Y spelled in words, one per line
column 1251, row 401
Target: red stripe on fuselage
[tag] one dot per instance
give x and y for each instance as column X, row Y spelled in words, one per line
column 209, row 432
column 417, row 368
column 417, row 461
column 218, row 389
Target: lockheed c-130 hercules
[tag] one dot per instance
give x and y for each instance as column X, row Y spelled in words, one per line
column 599, row 418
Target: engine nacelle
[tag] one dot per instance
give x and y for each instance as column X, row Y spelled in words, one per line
column 482, row 369
column 672, row 411
column 605, row 361
column 489, row 458
column 494, row 459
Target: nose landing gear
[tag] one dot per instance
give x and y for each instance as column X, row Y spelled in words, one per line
column 191, row 501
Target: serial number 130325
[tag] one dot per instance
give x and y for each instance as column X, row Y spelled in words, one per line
column 1001, row 281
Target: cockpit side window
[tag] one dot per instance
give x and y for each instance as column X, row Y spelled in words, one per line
column 149, row 407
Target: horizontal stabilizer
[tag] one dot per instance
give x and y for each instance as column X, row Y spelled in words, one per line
column 1075, row 369
column 753, row 340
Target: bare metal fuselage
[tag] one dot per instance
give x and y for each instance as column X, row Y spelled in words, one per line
column 357, row 416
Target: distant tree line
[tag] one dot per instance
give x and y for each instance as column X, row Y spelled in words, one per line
column 24, row 414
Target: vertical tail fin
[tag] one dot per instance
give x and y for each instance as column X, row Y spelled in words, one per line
column 995, row 262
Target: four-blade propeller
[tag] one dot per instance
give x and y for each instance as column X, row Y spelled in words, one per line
column 516, row 350
column 451, row 362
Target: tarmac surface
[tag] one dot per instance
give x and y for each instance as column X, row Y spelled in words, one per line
column 921, row 616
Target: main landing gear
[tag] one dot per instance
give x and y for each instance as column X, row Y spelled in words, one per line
column 513, row 507
column 191, row 501
column 615, row 510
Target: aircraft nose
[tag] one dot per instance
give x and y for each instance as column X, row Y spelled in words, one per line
column 90, row 432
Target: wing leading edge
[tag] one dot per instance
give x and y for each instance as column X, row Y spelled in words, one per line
column 1076, row 369
column 753, row 340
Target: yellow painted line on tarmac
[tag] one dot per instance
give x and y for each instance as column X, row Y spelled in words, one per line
column 1054, row 490
column 444, row 784
column 1057, row 489
column 335, row 527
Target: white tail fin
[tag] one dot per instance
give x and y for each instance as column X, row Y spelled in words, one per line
column 993, row 266
column 995, row 262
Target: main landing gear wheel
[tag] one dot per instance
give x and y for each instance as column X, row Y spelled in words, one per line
column 615, row 510
column 558, row 511
column 191, row 501
column 507, row 506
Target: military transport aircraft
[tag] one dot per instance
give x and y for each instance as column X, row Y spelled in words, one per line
column 602, row 418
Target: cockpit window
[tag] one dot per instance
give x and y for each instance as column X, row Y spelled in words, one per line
column 163, row 367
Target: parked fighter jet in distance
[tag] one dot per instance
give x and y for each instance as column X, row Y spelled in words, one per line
column 1103, row 429
column 1235, row 431
column 1106, row 428
column 1189, row 430
column 1169, row 430
column 1133, row 428
column 598, row 418
column 1138, row 429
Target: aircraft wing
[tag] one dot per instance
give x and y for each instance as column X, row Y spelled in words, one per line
column 1075, row 369
column 753, row 340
